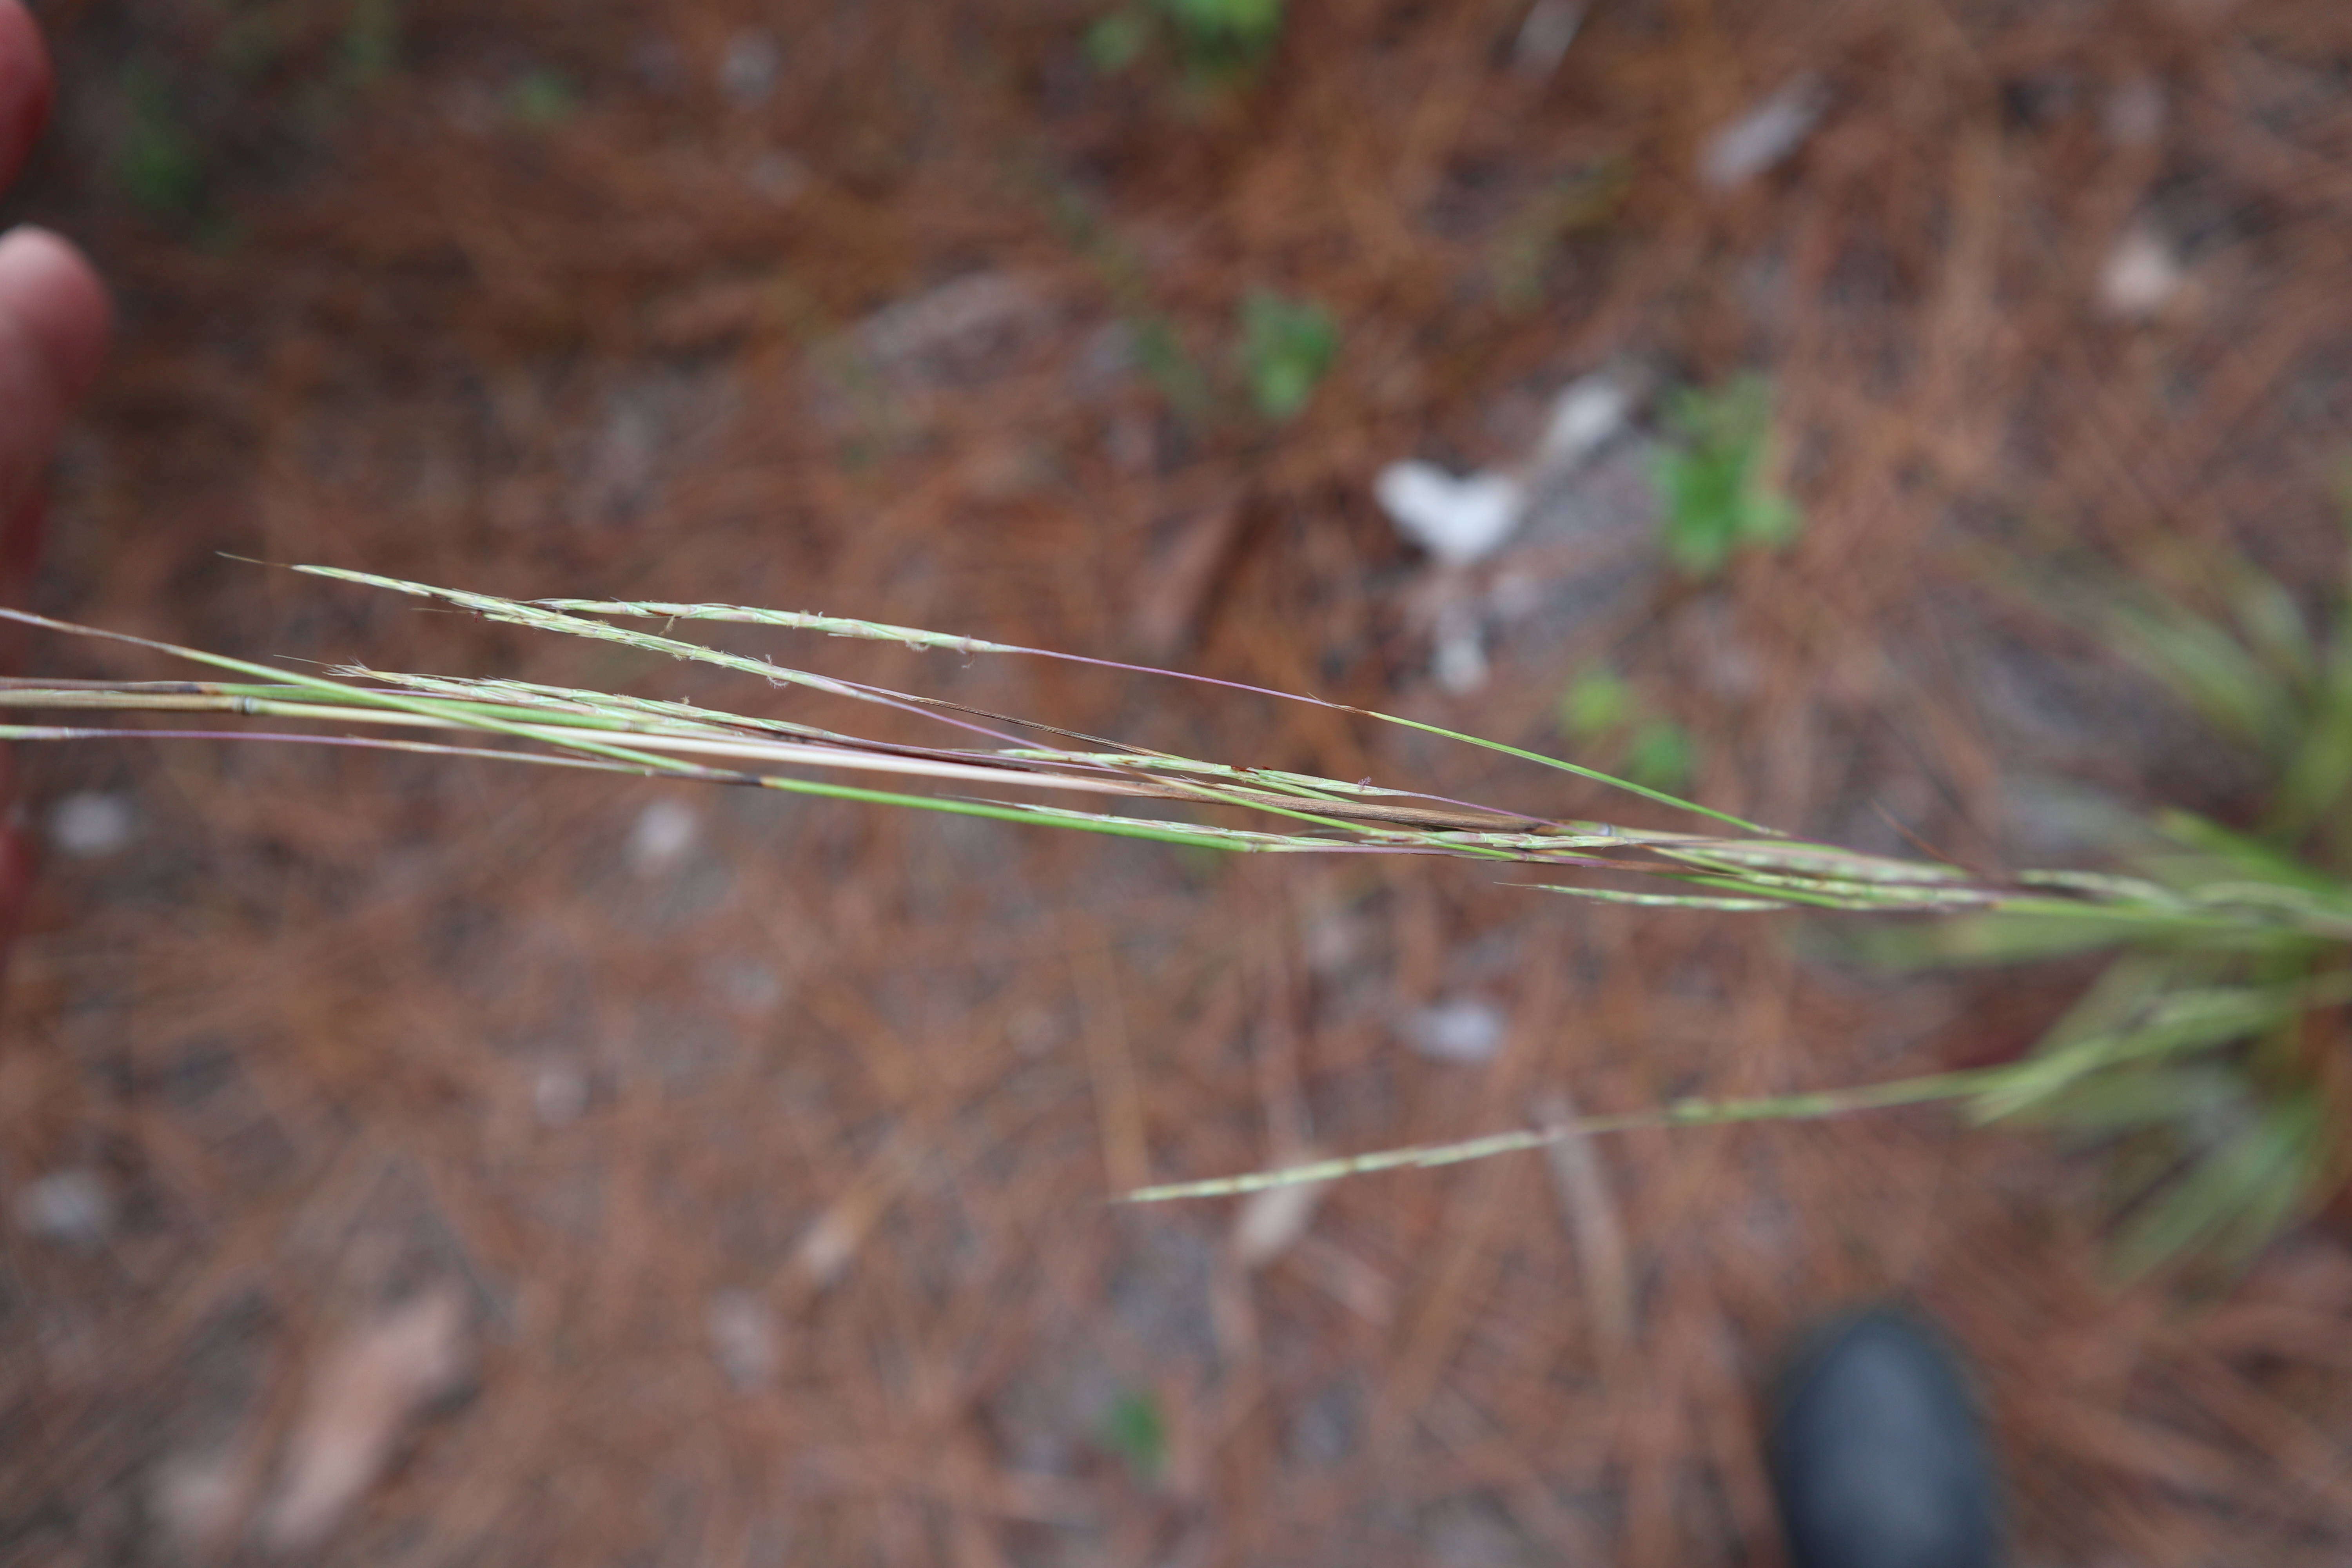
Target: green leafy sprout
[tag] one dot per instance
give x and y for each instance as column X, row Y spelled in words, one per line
column 1215, row 40
column 1134, row 1429
column 1599, row 709
column 159, row 164
column 1715, row 478
column 1286, row 346
column 543, row 98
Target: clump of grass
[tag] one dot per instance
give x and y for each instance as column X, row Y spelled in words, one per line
column 1716, row 478
column 2212, row 1067
column 2239, row 940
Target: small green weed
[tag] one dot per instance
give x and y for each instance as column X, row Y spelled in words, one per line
column 1661, row 756
column 1596, row 705
column 1118, row 40
column 1225, row 33
column 1281, row 346
column 1173, row 372
column 160, row 164
column 1134, row 1429
column 1599, row 710
column 1286, row 346
column 1715, row 480
column 310, row 47
column 543, row 98
column 1214, row 40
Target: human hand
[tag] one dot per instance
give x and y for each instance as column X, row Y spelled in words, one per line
column 54, row 320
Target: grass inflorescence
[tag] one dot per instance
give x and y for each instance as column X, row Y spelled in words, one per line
column 2269, row 908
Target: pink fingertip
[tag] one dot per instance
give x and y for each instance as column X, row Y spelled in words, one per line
column 50, row 293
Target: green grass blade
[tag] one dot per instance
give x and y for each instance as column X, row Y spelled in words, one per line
column 2271, row 624
column 2173, row 1022
column 2237, row 1197
column 2204, row 667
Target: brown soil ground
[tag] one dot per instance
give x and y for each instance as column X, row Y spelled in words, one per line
column 772, row 1170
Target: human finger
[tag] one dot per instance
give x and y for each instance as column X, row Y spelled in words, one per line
column 25, row 86
column 54, row 323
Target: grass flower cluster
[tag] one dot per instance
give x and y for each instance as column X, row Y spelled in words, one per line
column 1034, row 774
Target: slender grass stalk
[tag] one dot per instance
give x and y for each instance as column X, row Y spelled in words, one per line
column 1757, row 872
column 2265, row 904
column 1679, row 1113
column 834, row 625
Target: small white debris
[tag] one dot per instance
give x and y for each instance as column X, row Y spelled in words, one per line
column 90, row 825
column 2142, row 276
column 1551, row 25
column 558, row 1095
column 827, row 1247
column 1461, row 1030
column 1458, row 638
column 1460, row 665
column 748, row 70
column 73, row 1208
column 743, row 1329
column 664, row 831
column 779, row 177
column 1459, row 521
column 1765, row 135
column 1587, row 411
column 747, row 986
column 361, row 1395
column 831, row 1243
column 1335, row 940
column 197, row 1497
column 1272, row 1219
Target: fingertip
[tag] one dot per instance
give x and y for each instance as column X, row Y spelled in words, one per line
column 25, row 86
column 52, row 297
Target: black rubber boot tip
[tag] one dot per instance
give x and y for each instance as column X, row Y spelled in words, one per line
column 1877, row 1455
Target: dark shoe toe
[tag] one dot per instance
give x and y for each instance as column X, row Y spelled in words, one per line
column 1877, row 1454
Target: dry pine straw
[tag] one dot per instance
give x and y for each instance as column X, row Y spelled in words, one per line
column 305, row 1029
